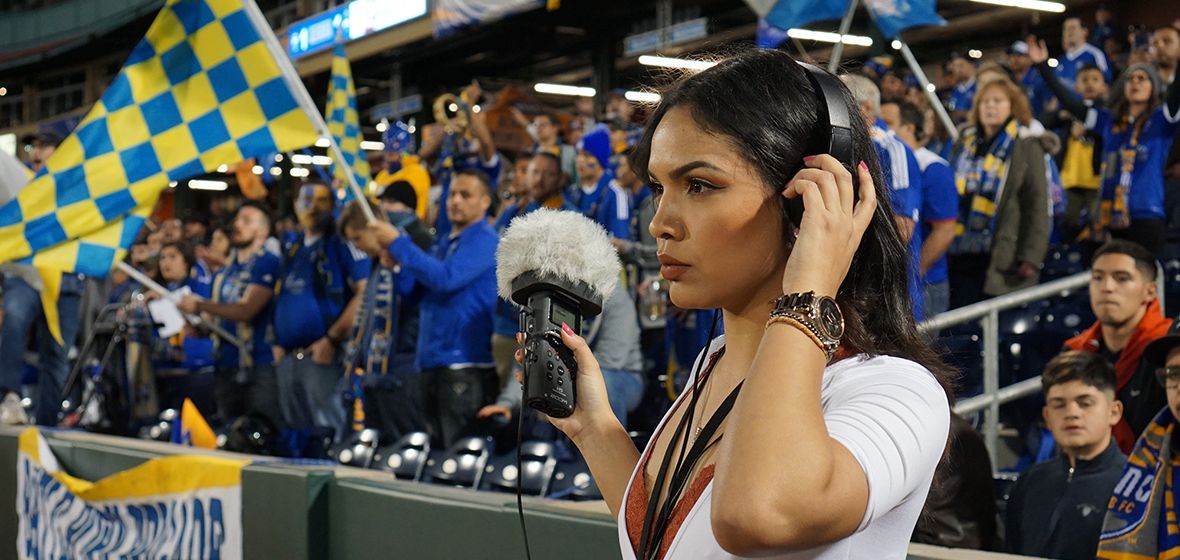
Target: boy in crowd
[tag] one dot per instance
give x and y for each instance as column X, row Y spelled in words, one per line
column 1056, row 508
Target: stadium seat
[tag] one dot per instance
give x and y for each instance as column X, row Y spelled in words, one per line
column 537, row 465
column 406, row 458
column 964, row 352
column 462, row 465
column 1172, row 286
column 1063, row 262
column 1019, row 320
column 573, row 481
column 356, row 450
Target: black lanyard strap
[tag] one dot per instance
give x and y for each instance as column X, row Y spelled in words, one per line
column 681, row 475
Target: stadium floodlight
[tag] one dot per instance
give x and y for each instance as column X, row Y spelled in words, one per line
column 204, row 185
column 642, row 96
column 828, row 37
column 669, row 62
column 560, row 89
column 1041, row 5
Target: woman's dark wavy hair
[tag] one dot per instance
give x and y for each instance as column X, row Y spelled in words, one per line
column 762, row 102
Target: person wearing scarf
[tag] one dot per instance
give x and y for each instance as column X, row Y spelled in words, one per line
column 1137, row 128
column 1003, row 226
column 1141, row 517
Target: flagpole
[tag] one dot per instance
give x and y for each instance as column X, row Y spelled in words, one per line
column 194, row 319
column 838, row 50
column 935, row 102
column 302, row 96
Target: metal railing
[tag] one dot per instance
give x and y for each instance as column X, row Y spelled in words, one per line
column 988, row 314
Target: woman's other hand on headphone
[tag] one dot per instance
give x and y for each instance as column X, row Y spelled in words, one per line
column 832, row 226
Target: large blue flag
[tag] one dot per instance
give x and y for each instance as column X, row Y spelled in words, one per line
column 796, row 13
column 769, row 36
column 894, row 16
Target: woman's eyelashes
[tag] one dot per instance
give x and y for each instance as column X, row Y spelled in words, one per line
column 691, row 186
column 700, row 186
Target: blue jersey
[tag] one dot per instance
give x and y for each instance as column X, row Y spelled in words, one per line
column 904, row 180
column 229, row 286
column 1037, row 90
column 1142, row 157
column 606, row 203
column 940, row 203
column 687, row 335
column 442, row 225
column 315, row 288
column 962, row 96
column 900, row 170
column 1085, row 55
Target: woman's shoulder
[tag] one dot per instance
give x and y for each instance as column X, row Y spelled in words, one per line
column 1033, row 143
column 881, row 374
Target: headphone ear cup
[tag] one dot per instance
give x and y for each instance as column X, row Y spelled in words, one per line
column 793, row 211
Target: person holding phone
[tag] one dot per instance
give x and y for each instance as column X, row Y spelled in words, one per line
column 779, row 446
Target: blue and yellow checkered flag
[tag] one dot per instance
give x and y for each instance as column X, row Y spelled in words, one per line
column 200, row 90
column 344, row 122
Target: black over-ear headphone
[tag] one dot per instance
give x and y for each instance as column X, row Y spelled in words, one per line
column 833, row 131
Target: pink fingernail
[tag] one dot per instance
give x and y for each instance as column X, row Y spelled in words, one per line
column 807, row 159
column 566, row 329
column 863, row 166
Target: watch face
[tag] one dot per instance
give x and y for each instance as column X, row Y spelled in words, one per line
column 830, row 318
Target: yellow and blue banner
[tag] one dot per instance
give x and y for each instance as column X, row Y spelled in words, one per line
column 344, row 123
column 179, row 506
column 201, row 89
column 191, row 429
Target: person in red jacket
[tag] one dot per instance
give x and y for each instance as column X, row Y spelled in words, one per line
column 1123, row 298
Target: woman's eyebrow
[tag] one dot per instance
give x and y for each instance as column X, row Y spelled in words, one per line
column 698, row 164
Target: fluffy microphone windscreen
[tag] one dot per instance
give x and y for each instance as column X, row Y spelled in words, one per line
column 557, row 244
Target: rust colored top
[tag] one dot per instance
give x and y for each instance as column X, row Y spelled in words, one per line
column 635, row 508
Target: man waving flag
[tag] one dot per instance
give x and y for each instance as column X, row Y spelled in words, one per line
column 203, row 88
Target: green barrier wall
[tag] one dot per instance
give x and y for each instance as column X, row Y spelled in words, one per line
column 297, row 513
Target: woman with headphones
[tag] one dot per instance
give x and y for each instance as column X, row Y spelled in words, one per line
column 813, row 427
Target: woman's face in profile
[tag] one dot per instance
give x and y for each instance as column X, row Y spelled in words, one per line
column 715, row 217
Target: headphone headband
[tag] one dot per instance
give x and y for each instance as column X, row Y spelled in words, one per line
column 836, row 137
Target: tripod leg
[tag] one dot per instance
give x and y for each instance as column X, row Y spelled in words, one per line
column 114, row 342
column 76, row 371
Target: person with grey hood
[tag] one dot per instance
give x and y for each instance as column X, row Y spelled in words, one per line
column 1137, row 127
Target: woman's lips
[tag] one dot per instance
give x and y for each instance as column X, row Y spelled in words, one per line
column 673, row 272
column 671, row 268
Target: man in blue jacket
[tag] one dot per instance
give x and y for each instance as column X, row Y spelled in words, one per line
column 456, row 284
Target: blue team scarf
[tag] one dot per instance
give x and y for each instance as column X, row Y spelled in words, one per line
column 980, row 178
column 1141, row 519
column 374, row 336
column 1114, row 209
